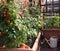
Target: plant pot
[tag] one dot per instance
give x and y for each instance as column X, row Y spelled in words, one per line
column 34, row 48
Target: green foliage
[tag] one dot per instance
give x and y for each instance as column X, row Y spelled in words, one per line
column 35, row 13
column 52, row 22
column 18, row 25
column 12, row 32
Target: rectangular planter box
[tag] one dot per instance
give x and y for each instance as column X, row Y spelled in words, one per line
column 51, row 32
column 34, row 48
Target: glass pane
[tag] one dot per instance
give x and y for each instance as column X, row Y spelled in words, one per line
column 51, row 14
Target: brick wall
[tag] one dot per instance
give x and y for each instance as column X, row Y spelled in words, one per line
column 52, row 32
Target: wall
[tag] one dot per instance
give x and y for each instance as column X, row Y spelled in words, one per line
column 52, row 32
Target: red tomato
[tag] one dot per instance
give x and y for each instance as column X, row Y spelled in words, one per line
column 21, row 14
column 7, row 21
column 4, row 13
column 22, row 45
column 0, row 33
column 7, row 16
column 16, row 27
column 8, row 8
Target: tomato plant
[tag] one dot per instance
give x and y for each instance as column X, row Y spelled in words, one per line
column 17, row 25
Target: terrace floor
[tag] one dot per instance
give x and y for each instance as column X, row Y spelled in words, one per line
column 50, row 49
column 45, row 47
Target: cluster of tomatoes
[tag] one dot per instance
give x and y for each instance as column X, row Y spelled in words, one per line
column 7, row 16
column 24, row 46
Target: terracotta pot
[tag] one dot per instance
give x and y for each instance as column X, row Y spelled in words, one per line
column 34, row 48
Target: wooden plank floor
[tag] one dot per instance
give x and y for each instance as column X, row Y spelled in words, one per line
column 45, row 47
column 49, row 49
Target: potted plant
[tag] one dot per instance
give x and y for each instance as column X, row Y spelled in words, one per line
column 17, row 26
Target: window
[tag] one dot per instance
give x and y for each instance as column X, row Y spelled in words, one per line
column 51, row 14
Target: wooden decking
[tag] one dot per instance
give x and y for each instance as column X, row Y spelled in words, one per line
column 50, row 49
column 45, row 47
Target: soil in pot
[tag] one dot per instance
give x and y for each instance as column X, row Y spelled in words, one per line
column 30, row 44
